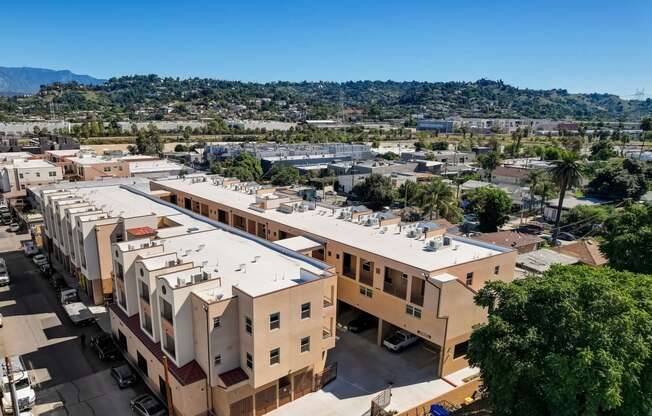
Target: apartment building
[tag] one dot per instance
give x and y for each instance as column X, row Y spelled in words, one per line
column 414, row 277
column 62, row 158
column 244, row 324
column 19, row 174
column 88, row 166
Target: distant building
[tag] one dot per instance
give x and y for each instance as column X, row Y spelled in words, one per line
column 22, row 173
column 541, row 261
column 522, row 242
column 441, row 126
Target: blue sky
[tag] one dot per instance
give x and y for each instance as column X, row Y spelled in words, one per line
column 583, row 46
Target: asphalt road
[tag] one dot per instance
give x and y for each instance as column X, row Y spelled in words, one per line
column 69, row 379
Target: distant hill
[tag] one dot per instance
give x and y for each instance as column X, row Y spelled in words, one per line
column 25, row 80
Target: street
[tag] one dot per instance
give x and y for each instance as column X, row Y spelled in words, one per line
column 68, row 379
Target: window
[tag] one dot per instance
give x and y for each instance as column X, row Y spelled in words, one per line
column 217, row 322
column 250, row 361
column 460, row 349
column 366, row 291
column 248, row 325
column 107, row 169
column 275, row 356
column 274, row 321
column 217, row 360
column 20, row 175
column 366, row 266
column 469, row 278
column 305, row 311
column 414, row 311
column 38, row 174
column 166, row 310
column 52, row 173
column 496, row 269
column 305, row 344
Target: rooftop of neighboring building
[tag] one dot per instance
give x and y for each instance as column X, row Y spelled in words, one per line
column 541, row 260
column 572, row 201
column 512, row 239
column 63, row 153
column 586, row 251
column 510, row 172
column 394, row 242
column 93, row 159
column 117, row 201
column 144, row 166
column 32, row 163
column 9, row 156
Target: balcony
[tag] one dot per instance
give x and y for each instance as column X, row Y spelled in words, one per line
column 398, row 291
column 328, row 302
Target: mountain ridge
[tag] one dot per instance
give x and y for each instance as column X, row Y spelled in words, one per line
column 28, row 80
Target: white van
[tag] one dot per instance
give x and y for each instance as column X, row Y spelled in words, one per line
column 25, row 395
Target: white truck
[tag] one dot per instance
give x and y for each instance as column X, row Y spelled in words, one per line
column 25, row 395
column 78, row 313
column 4, row 273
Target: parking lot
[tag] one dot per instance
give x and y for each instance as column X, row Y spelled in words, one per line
column 69, row 379
column 364, row 370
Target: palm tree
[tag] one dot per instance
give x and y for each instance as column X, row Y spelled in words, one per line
column 566, row 173
column 489, row 162
column 437, row 199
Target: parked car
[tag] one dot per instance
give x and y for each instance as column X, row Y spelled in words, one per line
column 124, row 375
column 147, row 405
column 362, row 322
column 68, row 295
column 400, row 340
column 566, row 237
column 14, row 227
column 4, row 273
column 531, row 228
column 58, row 282
column 40, row 259
column 30, row 248
column 104, row 346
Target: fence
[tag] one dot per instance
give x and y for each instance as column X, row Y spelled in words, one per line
column 380, row 402
column 322, row 379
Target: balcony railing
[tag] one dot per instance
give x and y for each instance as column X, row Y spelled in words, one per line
column 416, row 299
column 398, row 291
column 327, row 302
column 348, row 272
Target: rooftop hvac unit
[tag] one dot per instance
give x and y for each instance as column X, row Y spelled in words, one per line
column 447, row 241
column 241, row 267
column 256, row 258
column 171, row 263
column 412, row 234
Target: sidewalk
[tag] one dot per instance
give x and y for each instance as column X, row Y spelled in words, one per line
column 99, row 311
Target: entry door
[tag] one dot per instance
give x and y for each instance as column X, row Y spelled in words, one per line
column 142, row 363
column 284, row 390
column 266, row 400
column 244, row 407
column 302, row 384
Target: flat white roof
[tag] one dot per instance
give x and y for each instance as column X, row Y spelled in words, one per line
column 153, row 166
column 299, row 243
column 120, row 202
column 322, row 223
column 32, row 163
column 65, row 152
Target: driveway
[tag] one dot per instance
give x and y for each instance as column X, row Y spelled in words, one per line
column 68, row 379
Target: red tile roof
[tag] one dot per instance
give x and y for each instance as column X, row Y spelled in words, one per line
column 587, row 251
column 234, row 376
column 141, row 231
column 510, row 172
column 185, row 375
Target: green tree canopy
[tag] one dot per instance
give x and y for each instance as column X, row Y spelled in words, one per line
column 376, row 191
column 603, row 149
column 573, row 342
column 284, row 175
column 491, row 205
column 628, row 239
column 148, row 141
column 620, row 179
column 489, row 162
column 583, row 219
column 437, row 199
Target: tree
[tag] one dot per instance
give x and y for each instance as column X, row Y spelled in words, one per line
column 491, row 205
column 646, row 127
column 245, row 166
column 180, row 148
column 619, row 180
column 376, row 191
column 284, row 175
column 534, row 178
column 573, row 342
column 602, row 150
column 489, row 162
column 437, row 199
column 148, row 141
column 583, row 219
column 628, row 238
column 389, row 156
column 566, row 173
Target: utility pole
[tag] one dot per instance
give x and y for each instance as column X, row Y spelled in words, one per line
column 168, row 390
column 12, row 387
